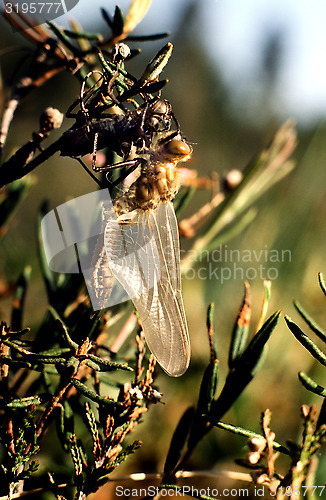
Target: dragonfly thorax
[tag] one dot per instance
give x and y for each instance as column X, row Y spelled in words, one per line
column 161, row 184
column 159, row 178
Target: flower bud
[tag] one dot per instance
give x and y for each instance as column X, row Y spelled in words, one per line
column 50, row 119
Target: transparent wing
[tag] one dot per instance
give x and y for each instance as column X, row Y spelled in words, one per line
column 102, row 276
column 143, row 254
column 103, row 289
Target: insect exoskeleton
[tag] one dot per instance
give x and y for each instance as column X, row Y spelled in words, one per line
column 171, row 150
column 177, row 150
column 159, row 114
column 162, row 182
column 167, row 181
column 145, row 190
column 143, row 252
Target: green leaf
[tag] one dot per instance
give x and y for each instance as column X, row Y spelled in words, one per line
column 156, row 65
column 265, row 303
column 10, row 199
column 107, row 365
column 178, row 440
column 322, row 282
column 153, row 87
column 125, row 453
column 83, row 389
column 19, row 299
column 64, row 39
column 259, row 340
column 147, row 38
column 7, row 360
column 268, row 168
column 25, row 402
column 233, row 229
column 209, row 381
column 241, row 329
column 135, row 14
column 182, row 199
column 246, row 433
column 47, row 274
column 211, row 332
column 55, row 352
column 107, row 17
column 92, row 365
column 311, row 385
column 205, row 402
column 118, row 21
column 63, row 328
column 65, row 425
column 245, row 369
column 207, row 387
column 306, row 341
column 322, row 415
column 82, row 34
column 111, row 69
column 310, row 322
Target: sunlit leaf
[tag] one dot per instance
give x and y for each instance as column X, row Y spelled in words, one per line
column 135, row 14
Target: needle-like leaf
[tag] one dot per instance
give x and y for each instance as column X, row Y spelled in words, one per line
column 306, row 341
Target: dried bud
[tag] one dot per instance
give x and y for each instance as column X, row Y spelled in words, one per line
column 256, row 444
column 263, row 478
column 305, row 410
column 120, row 52
column 186, row 230
column 50, row 119
column 233, row 179
column 154, row 396
column 135, row 393
column 253, row 458
column 272, row 436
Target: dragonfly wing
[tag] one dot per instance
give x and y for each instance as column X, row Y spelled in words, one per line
column 164, row 320
column 104, row 290
column 144, row 255
column 102, row 276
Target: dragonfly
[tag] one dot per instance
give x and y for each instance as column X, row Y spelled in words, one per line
column 128, row 133
column 141, row 250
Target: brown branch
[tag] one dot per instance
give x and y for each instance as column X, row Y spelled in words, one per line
column 24, row 87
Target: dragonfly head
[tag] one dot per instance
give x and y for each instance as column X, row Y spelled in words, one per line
column 161, row 107
column 158, row 116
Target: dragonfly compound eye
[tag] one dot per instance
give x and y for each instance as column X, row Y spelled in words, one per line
column 159, row 116
column 177, row 149
column 161, row 107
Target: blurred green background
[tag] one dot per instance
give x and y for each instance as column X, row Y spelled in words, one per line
column 226, row 126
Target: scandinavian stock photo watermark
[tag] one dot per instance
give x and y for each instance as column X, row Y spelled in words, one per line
column 224, row 264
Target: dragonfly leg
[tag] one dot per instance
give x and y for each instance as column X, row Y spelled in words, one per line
column 123, row 175
column 94, row 153
column 89, row 172
column 125, row 163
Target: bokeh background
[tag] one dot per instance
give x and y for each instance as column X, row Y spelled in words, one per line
column 238, row 70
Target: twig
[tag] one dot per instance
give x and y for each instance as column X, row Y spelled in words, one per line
column 188, row 227
column 24, row 87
